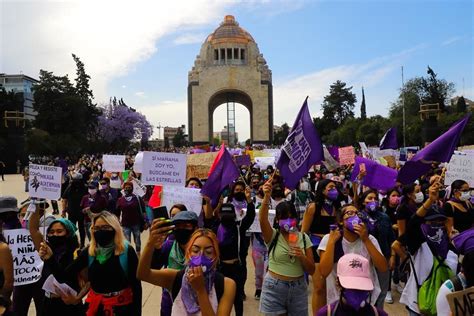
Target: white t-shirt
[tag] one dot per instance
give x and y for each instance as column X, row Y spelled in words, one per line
column 423, row 262
column 442, row 305
column 356, row 247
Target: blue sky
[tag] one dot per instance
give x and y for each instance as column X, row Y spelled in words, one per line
column 308, row 45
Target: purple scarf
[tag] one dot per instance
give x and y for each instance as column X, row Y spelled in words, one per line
column 188, row 295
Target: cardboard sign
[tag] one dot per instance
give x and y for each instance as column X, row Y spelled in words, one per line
column 27, row 265
column 391, row 162
column 114, row 163
column 264, row 162
column 460, row 167
column 45, row 182
column 255, row 227
column 198, row 165
column 164, row 168
column 242, row 160
column 346, row 155
column 190, row 197
column 461, row 303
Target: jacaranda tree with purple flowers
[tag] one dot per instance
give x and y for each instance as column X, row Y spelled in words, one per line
column 120, row 124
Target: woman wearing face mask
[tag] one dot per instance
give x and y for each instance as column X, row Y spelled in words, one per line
column 383, row 232
column 426, row 237
column 171, row 252
column 458, row 208
column 284, row 288
column 6, row 269
column 197, row 289
column 111, row 265
column 233, row 242
column 61, row 238
column 194, row 183
column 355, row 283
column 316, row 222
column 133, row 214
column 301, row 197
column 93, row 202
column 356, row 239
column 412, row 197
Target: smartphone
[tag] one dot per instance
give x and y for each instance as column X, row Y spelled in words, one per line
column 160, row 212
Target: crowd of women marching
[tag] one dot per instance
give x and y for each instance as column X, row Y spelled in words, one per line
column 344, row 245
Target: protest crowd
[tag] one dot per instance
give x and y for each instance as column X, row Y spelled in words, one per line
column 355, row 225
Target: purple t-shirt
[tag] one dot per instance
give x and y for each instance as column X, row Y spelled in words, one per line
column 367, row 310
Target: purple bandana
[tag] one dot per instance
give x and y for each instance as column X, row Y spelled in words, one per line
column 437, row 239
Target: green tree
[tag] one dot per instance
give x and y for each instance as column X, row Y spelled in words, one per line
column 363, row 110
column 339, row 104
column 280, row 136
column 179, row 140
column 435, row 90
column 461, row 106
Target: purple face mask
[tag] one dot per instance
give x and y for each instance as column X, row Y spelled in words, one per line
column 437, row 239
column 351, row 221
column 333, row 194
column 356, row 299
column 201, row 260
column 372, row 206
column 287, row 224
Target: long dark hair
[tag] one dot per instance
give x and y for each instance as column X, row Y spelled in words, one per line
column 360, row 203
column 385, row 201
column 319, row 197
column 283, row 210
column 237, row 183
column 406, row 191
column 456, row 185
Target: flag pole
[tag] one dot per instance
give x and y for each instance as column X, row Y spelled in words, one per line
column 403, row 107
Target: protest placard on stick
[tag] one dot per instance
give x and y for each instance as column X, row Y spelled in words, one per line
column 114, row 163
column 190, row 197
column 45, row 182
column 164, row 168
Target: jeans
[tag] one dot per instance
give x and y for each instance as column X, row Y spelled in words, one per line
column 284, row 297
column 135, row 229
column 259, row 256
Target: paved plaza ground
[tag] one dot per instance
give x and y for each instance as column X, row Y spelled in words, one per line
column 14, row 185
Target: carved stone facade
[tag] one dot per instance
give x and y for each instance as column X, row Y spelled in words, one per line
column 230, row 68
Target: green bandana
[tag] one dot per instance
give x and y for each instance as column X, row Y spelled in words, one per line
column 176, row 258
column 102, row 254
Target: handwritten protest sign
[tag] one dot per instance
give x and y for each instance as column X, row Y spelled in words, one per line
column 264, row 162
column 164, row 168
column 461, row 303
column 242, row 160
column 114, row 163
column 27, row 265
column 198, row 165
column 460, row 167
column 346, row 155
column 190, row 197
column 255, row 227
column 138, row 188
column 45, row 182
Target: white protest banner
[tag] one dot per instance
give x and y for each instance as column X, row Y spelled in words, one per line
column 346, row 155
column 138, row 188
column 264, row 162
column 114, row 163
column 190, row 197
column 255, row 227
column 164, row 168
column 27, row 265
column 45, row 182
column 460, row 167
column 274, row 152
column 461, row 303
column 138, row 162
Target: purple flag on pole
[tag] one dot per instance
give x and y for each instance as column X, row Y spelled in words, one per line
column 334, row 151
column 440, row 150
column 302, row 149
column 378, row 176
column 225, row 172
column 389, row 140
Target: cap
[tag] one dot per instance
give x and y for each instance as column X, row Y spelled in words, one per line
column 464, row 242
column 435, row 213
column 185, row 216
column 8, row 204
column 353, row 272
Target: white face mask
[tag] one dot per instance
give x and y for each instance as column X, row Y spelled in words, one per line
column 465, row 196
column 92, row 191
column 419, row 197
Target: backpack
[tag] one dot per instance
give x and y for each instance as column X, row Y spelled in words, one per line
column 218, row 284
column 428, row 291
column 123, row 258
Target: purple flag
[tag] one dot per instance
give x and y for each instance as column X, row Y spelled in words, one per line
column 224, row 172
column 378, row 176
column 334, row 151
column 440, row 150
column 302, row 149
column 389, row 140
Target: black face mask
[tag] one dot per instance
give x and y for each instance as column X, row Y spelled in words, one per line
column 104, row 237
column 57, row 241
column 239, row 196
column 182, row 235
column 227, row 219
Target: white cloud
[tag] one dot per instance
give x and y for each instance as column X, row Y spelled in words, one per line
column 189, row 39
column 110, row 37
column 140, row 94
column 452, row 40
column 124, row 86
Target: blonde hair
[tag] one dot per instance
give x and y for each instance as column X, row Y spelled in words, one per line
column 203, row 232
column 119, row 239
